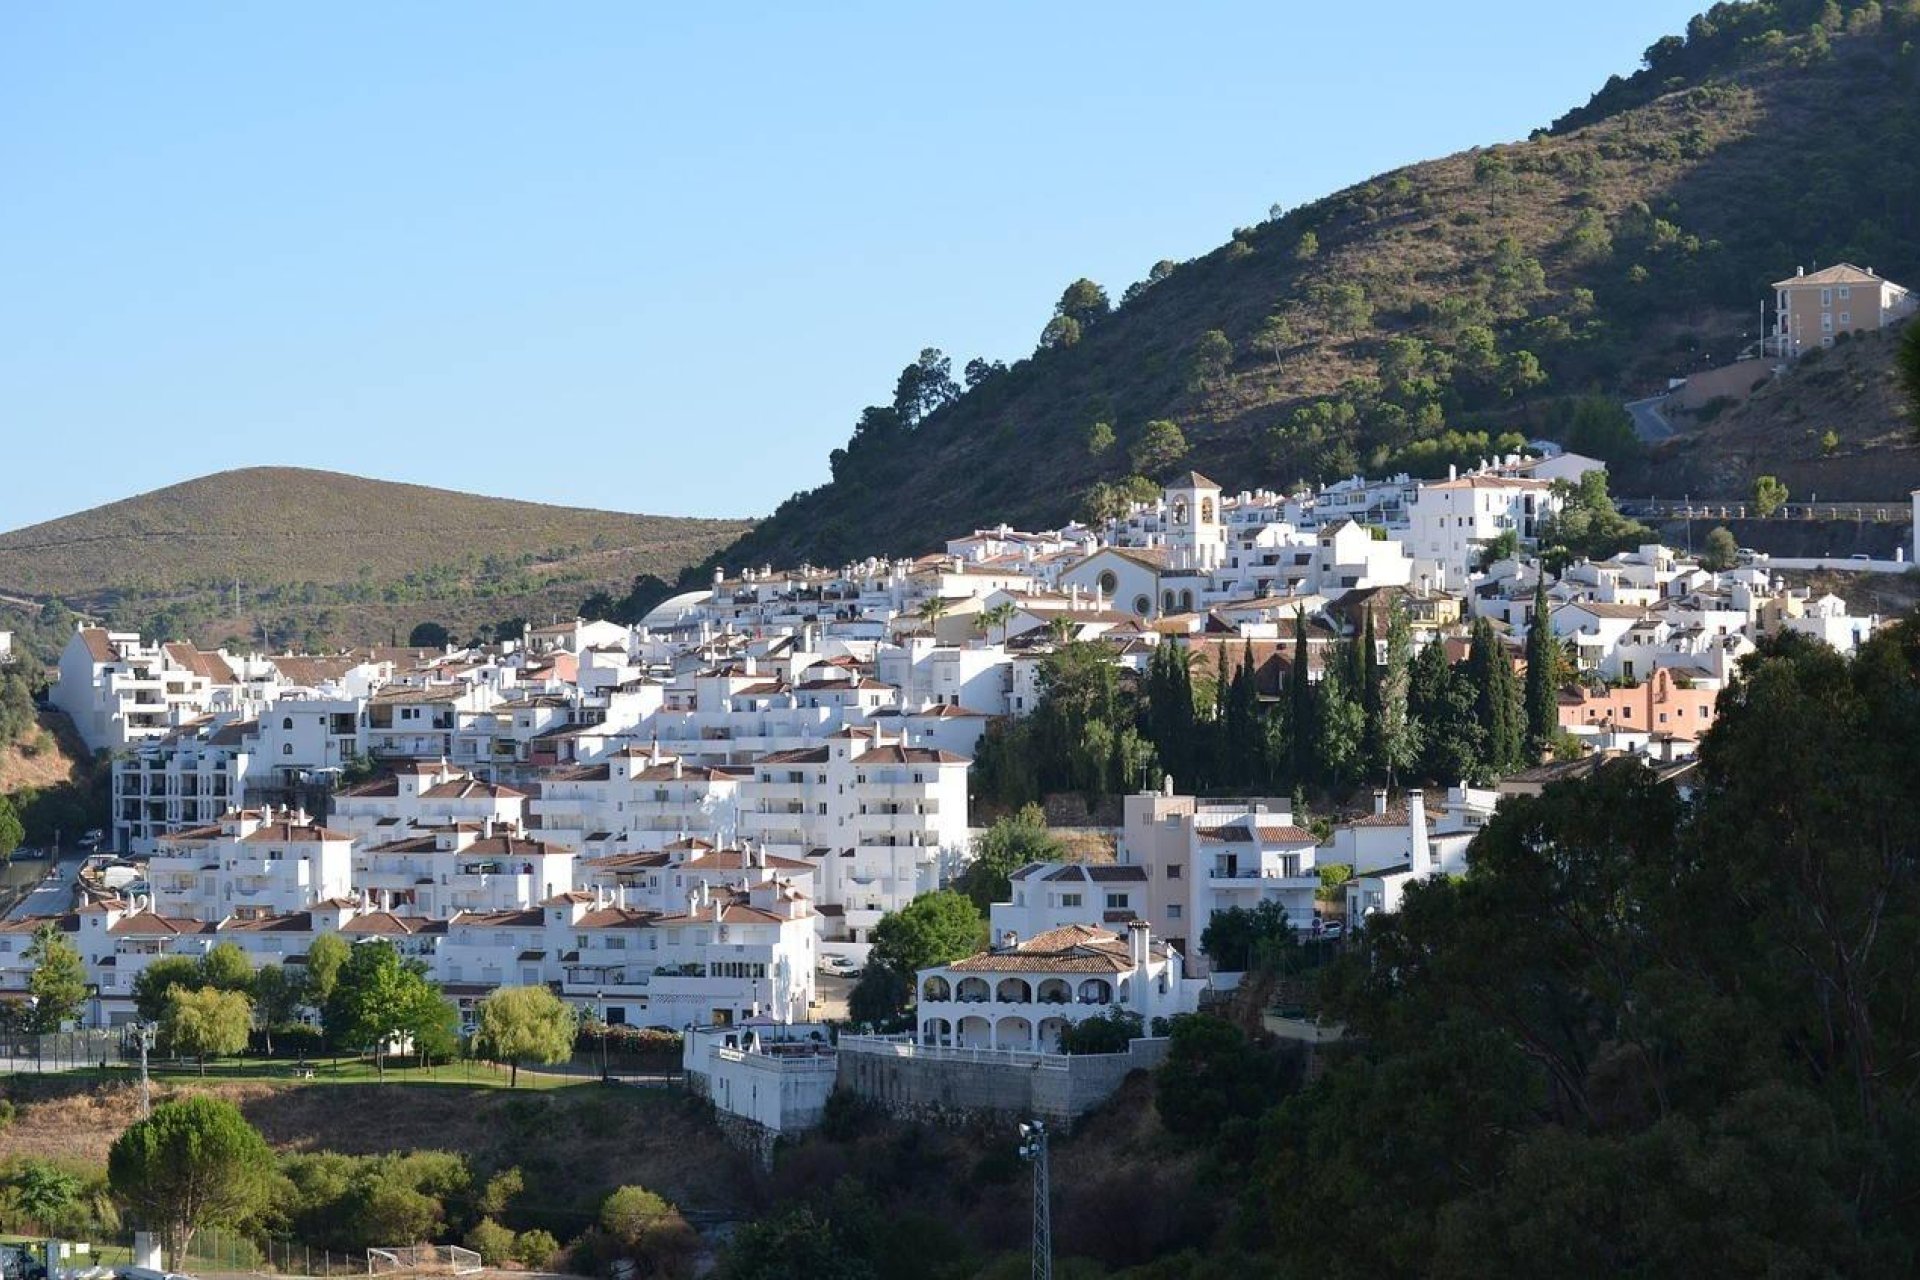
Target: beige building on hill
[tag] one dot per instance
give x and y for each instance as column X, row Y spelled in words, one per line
column 1811, row 308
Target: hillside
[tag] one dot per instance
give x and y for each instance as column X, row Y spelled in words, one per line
column 1526, row 288
column 330, row 558
column 1831, row 427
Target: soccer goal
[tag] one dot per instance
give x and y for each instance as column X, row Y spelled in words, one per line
column 423, row 1260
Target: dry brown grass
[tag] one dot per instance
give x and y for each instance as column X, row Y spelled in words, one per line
column 577, row 1144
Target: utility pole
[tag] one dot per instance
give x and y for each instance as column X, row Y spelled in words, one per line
column 1033, row 1148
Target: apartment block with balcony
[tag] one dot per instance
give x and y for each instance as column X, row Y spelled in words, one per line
column 882, row 821
column 186, row 779
column 637, row 799
column 444, row 870
column 119, row 690
column 1811, row 309
column 250, row 864
column 424, row 794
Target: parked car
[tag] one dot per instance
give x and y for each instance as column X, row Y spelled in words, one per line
column 1333, row 929
column 29, row 852
column 1861, row 556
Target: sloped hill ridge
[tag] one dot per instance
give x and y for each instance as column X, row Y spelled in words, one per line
column 333, row 558
column 1504, row 289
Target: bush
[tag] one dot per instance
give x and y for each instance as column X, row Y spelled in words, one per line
column 7, row 1112
column 1108, row 1033
column 289, row 1040
column 493, row 1242
column 535, row 1249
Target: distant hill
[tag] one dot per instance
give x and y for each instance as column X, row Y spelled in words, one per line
column 330, row 558
column 1416, row 318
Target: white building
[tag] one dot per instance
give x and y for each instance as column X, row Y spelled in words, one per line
column 1451, row 523
column 1022, row 994
column 249, row 864
column 884, row 822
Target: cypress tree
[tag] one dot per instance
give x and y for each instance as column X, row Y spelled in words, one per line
column 1300, row 725
column 1543, row 720
column 1496, row 698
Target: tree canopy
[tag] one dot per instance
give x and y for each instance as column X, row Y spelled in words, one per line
column 195, row 1162
column 525, row 1024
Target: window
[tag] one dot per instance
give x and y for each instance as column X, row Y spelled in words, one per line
column 1142, row 605
column 1173, row 911
column 1173, row 868
column 1846, row 318
column 286, row 722
column 1116, row 902
column 1107, row 583
column 1846, row 291
column 1826, row 297
column 1069, row 899
column 286, row 748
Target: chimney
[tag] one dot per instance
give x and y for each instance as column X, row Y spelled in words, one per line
column 1009, row 940
column 717, row 909
column 620, row 896
column 1139, row 935
column 1379, row 802
column 1799, row 271
column 1417, row 832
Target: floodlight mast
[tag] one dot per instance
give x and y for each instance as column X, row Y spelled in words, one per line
column 1033, row 1148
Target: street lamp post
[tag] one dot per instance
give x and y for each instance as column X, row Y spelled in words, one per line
column 600, row 997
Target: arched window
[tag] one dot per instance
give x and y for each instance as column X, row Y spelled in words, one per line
column 1186, row 601
column 1180, row 511
column 1206, row 511
column 1166, row 600
column 286, row 722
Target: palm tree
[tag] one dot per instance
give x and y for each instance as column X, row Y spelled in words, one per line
column 1001, row 615
column 932, row 609
column 1061, row 627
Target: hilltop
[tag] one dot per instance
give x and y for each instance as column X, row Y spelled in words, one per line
column 1416, row 318
column 336, row 558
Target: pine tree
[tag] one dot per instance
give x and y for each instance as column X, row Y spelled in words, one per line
column 1543, row 719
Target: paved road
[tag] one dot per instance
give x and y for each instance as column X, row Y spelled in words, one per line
column 52, row 896
column 1648, row 423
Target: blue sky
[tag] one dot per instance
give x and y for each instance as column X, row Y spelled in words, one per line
column 649, row 257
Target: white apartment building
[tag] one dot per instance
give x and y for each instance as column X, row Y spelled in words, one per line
column 1451, row 522
column 440, row 871
column 424, row 793
column 119, row 690
column 722, row 958
column 251, row 863
column 1045, row 896
column 883, row 821
column 1023, row 994
column 637, row 799
column 188, row 778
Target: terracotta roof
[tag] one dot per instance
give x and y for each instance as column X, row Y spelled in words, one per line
column 98, row 646
column 1838, row 273
column 735, row 860
column 1238, row 833
column 1076, row 948
column 146, row 923
column 387, row 924
column 201, row 662
column 293, row 922
column 294, row 833
column 909, row 755
column 617, row 918
column 500, row 919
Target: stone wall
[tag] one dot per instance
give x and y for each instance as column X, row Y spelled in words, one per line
column 949, row 1086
